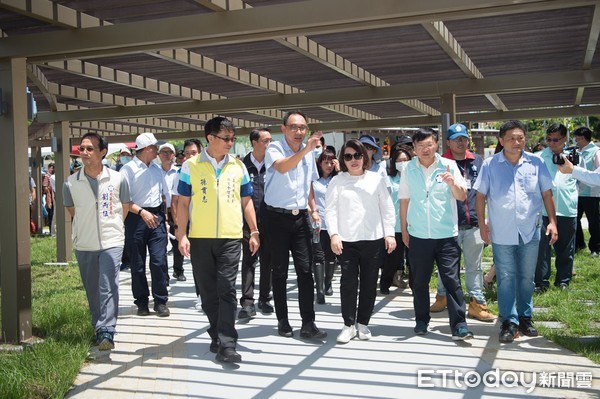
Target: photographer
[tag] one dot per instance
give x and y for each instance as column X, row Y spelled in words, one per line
column 564, row 195
column 589, row 177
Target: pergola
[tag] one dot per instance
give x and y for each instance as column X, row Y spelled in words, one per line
column 125, row 67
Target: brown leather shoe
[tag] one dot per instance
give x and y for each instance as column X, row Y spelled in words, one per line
column 439, row 304
column 479, row 311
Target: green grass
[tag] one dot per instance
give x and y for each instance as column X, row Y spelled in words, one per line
column 61, row 318
column 577, row 309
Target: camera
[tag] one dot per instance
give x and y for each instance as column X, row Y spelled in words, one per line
column 571, row 154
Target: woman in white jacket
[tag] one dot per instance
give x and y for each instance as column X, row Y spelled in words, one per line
column 360, row 221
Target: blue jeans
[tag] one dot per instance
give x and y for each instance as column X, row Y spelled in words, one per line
column 472, row 250
column 515, row 273
column 139, row 238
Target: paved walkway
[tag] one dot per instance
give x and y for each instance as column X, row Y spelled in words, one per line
column 169, row 358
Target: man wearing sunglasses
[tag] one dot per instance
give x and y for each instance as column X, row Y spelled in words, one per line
column 97, row 197
column 289, row 198
column 215, row 194
column 564, row 194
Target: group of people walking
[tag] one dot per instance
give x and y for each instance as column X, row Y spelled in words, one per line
column 297, row 196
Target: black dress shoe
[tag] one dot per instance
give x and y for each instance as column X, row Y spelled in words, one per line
column 526, row 327
column 228, row 355
column 265, row 307
column 384, row 291
column 246, row 312
column 162, row 310
column 284, row 329
column 143, row 310
column 509, row 332
column 181, row 277
column 214, row 345
column 310, row 330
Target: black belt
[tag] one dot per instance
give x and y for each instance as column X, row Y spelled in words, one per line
column 285, row 211
column 468, row 227
column 156, row 209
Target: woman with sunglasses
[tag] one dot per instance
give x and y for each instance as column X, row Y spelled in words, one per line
column 323, row 258
column 360, row 221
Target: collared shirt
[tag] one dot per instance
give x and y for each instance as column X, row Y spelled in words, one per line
column 564, row 192
column 514, row 196
column 217, row 165
column 288, row 190
column 320, row 189
column 146, row 183
column 258, row 165
column 590, row 157
column 170, row 176
column 589, row 177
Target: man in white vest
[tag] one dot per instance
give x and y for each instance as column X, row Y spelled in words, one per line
column 97, row 198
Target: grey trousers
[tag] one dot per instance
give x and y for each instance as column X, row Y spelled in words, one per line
column 100, row 276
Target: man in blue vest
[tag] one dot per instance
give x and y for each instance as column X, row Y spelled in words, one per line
column 565, row 201
column 428, row 191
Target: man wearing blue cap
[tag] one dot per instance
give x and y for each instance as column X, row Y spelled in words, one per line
column 469, row 237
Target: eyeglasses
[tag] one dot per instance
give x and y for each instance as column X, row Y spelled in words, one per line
column 356, row 155
column 551, row 140
column 266, row 141
column 165, row 153
column 226, row 139
column 88, row 149
column 296, row 128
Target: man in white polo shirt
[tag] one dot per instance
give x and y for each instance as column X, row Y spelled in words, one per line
column 145, row 227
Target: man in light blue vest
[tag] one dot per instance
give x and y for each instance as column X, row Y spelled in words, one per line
column 565, row 201
column 428, row 191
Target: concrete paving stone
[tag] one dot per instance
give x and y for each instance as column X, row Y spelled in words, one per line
column 550, row 324
column 169, row 357
column 588, row 339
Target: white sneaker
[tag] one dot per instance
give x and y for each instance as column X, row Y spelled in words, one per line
column 348, row 332
column 198, row 305
column 363, row 332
